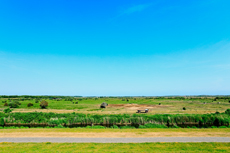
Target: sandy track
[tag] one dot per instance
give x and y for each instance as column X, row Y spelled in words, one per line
column 118, row 140
column 114, row 134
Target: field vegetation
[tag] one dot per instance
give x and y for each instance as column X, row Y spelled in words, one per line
column 115, row 147
column 117, row 105
column 39, row 119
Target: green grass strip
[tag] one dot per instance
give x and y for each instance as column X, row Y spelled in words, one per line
column 114, row 147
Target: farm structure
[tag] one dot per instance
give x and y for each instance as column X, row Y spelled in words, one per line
column 143, row 111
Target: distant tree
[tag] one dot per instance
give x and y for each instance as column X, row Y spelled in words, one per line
column 44, row 104
column 6, row 104
column 17, row 102
column 36, row 100
column 29, row 104
column 184, row 108
column 13, row 105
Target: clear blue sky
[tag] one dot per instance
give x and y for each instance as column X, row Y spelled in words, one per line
column 115, row 47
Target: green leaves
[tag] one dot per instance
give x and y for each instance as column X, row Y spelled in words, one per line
column 117, row 119
column 7, row 110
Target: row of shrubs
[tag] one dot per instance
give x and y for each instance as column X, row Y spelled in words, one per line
column 16, row 104
column 216, row 119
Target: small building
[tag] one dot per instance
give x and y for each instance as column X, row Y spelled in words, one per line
column 103, row 105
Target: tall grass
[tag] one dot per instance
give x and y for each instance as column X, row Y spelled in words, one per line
column 133, row 120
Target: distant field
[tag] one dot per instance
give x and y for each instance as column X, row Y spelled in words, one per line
column 127, row 105
column 115, row 147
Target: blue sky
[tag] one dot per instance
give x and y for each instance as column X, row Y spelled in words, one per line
column 115, row 48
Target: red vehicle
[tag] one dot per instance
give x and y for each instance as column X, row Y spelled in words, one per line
column 143, row 111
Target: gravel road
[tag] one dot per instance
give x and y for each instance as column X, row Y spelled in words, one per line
column 117, row 140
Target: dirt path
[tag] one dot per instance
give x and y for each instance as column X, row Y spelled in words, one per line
column 118, row 140
column 114, row 134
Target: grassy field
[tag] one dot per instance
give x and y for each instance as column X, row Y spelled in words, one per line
column 156, row 132
column 115, row 147
column 127, row 105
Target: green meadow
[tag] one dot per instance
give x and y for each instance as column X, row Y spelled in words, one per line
column 115, row 147
column 156, row 105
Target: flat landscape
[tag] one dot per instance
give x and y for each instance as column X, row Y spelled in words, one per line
column 124, row 105
column 112, row 76
column 67, row 124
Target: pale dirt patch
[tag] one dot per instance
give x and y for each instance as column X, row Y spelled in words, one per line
column 136, row 106
column 115, row 134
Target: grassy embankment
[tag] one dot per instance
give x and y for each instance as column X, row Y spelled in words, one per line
column 115, row 147
column 113, row 121
column 73, row 132
column 121, row 105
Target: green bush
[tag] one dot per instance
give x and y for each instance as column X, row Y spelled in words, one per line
column 17, row 102
column 127, row 127
column 29, row 104
column 184, row 108
column 2, row 122
column 13, row 105
column 227, row 111
column 44, row 104
column 223, row 127
column 151, row 125
column 7, row 110
column 115, row 127
column 59, row 126
column 142, row 127
column 98, row 127
column 175, row 126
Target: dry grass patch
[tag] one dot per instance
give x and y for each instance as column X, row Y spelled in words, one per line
column 112, row 133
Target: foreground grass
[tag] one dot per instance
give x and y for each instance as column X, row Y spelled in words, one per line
column 114, row 147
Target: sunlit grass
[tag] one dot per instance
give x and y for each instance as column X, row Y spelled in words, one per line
column 114, row 147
